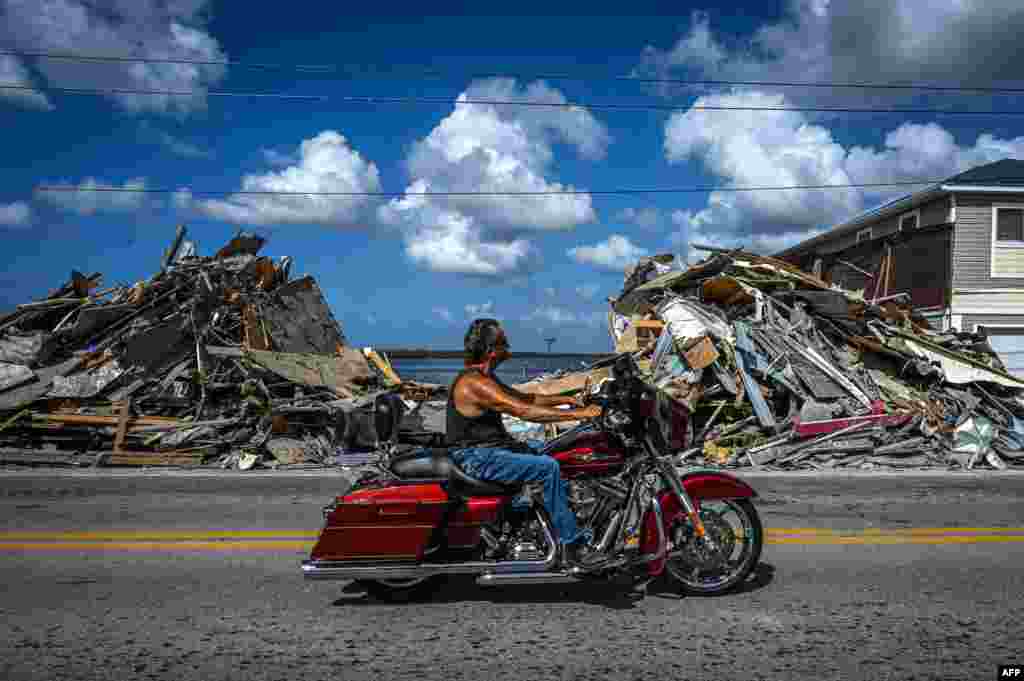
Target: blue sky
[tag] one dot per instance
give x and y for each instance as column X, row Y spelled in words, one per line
column 413, row 270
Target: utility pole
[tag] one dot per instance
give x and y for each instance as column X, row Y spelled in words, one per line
column 549, row 341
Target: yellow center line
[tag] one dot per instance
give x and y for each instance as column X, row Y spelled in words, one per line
column 302, row 540
column 893, row 530
column 159, row 546
column 114, row 535
column 880, row 540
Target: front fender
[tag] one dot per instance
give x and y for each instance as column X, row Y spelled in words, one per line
column 700, row 484
column 703, row 484
column 712, row 484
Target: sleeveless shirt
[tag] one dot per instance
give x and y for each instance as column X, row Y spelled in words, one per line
column 462, row 430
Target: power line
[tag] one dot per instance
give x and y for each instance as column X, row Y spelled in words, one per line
column 375, row 100
column 168, row 93
column 599, row 192
column 505, row 74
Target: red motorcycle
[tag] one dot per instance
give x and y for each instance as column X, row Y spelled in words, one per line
column 421, row 517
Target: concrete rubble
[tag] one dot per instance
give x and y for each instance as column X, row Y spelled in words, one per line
column 224, row 361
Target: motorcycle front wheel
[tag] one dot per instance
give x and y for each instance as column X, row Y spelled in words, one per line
column 736, row 529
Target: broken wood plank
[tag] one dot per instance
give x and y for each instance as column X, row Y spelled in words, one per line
column 122, row 424
column 10, row 455
column 128, row 458
column 185, row 425
column 96, row 420
column 567, row 384
column 383, row 365
column 223, row 351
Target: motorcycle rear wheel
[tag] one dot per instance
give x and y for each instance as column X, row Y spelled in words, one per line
column 687, row 575
column 397, row 589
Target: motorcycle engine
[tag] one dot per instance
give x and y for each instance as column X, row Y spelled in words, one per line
column 593, row 501
column 582, row 499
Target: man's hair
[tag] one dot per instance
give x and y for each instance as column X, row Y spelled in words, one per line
column 481, row 339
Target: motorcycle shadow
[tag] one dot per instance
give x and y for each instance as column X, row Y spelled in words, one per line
column 761, row 576
column 465, row 589
column 459, row 589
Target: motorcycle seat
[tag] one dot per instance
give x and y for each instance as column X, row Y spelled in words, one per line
column 434, row 464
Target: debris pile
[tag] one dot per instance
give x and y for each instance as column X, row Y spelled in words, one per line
column 223, row 360
column 778, row 369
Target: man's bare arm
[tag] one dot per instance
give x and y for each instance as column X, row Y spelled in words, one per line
column 553, row 400
column 488, row 394
column 540, row 400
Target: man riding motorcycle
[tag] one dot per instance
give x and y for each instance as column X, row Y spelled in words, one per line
column 482, row 447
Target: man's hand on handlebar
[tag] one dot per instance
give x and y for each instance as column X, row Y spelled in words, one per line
column 581, row 397
column 591, row 411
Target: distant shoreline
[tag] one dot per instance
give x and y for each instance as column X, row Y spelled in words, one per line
column 406, row 353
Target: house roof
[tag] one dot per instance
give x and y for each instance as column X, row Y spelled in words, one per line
column 998, row 176
column 1006, row 173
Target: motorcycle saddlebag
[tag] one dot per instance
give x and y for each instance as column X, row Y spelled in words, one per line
column 400, row 522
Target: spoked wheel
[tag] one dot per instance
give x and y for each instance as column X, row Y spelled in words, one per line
column 735, row 528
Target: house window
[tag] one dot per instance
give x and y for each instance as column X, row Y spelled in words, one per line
column 864, row 235
column 1008, row 343
column 910, row 221
column 1009, row 224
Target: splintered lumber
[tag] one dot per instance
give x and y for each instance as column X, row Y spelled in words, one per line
column 128, row 458
column 114, row 421
column 382, row 364
column 122, row 424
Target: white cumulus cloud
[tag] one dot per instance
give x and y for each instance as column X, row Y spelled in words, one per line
column 556, row 315
column 480, row 309
column 645, row 218
column 13, row 72
column 779, row 148
column 327, row 164
column 91, row 196
column 176, row 145
column 17, row 214
column 856, row 41
column 614, row 253
column 492, row 149
column 154, row 29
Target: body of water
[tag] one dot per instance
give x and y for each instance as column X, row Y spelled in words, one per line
column 443, row 371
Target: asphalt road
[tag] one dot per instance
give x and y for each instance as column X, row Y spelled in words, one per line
column 129, row 576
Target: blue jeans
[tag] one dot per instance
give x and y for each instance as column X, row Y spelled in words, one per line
column 502, row 465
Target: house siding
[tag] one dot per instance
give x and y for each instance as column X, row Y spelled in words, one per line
column 932, row 213
column 972, row 248
column 922, row 258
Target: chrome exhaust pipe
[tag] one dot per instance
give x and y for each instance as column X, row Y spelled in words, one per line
column 343, row 569
column 550, row 558
column 492, row 579
column 321, row 569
